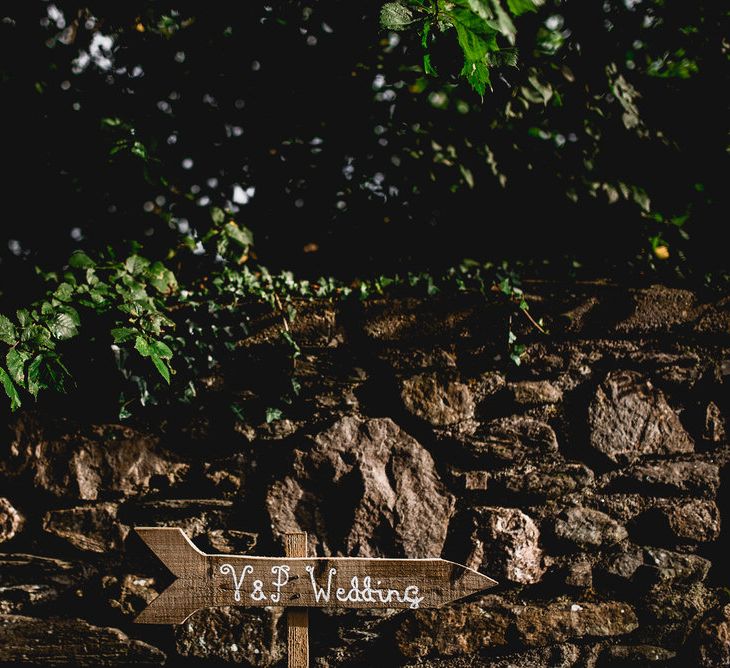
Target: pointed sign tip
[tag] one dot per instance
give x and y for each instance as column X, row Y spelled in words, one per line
column 473, row 581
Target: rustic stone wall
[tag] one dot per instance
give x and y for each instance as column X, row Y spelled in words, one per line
column 588, row 482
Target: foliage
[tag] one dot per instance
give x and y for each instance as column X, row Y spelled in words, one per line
column 478, row 25
column 132, row 290
column 158, row 139
column 144, row 309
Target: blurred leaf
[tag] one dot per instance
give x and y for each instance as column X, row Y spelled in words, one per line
column 518, row 7
column 273, row 414
column 162, row 279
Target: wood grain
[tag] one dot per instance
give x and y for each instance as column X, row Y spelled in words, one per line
column 347, row 582
column 295, row 545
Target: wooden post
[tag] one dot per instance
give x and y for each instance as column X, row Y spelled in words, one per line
column 295, row 545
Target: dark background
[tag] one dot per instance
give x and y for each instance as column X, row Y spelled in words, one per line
column 352, row 173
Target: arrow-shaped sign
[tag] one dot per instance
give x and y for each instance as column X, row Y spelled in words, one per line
column 207, row 580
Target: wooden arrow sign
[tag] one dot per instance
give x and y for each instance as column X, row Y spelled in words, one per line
column 207, row 580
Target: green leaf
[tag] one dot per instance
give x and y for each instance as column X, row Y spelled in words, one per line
column 395, row 16
column 428, row 68
column 139, row 149
column 162, row 279
column 240, row 234
column 34, row 376
column 63, row 326
column 122, row 334
column 476, row 38
column 217, row 215
column 503, row 22
column 16, row 360
column 10, row 389
column 64, row 292
column 161, row 367
column 71, row 312
column 8, row 333
column 142, row 347
column 518, row 7
column 238, row 412
column 136, row 264
column 273, row 414
column 503, row 58
column 80, row 260
column 23, row 316
column 161, row 349
column 481, row 9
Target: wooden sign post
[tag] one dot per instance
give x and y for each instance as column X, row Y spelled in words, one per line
column 298, row 582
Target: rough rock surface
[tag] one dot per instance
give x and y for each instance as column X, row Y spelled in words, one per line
column 536, row 392
column 594, row 432
column 711, row 646
column 714, row 424
column 91, row 528
column 588, row 528
column 695, row 478
column 629, row 418
column 196, row 517
column 71, row 642
column 440, row 401
column 375, row 477
column 505, row 544
column 561, row 621
column 542, row 481
column 683, row 519
column 511, row 439
column 27, row 580
column 635, row 655
column 233, row 635
column 493, row 622
column 114, row 461
column 675, row 566
column 130, row 594
column 453, row 631
column 11, row 521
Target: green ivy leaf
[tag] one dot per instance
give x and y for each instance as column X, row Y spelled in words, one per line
column 395, row 16
column 273, row 414
column 8, row 333
column 10, row 389
column 16, row 360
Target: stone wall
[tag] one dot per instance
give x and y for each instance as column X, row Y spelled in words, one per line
column 588, row 482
